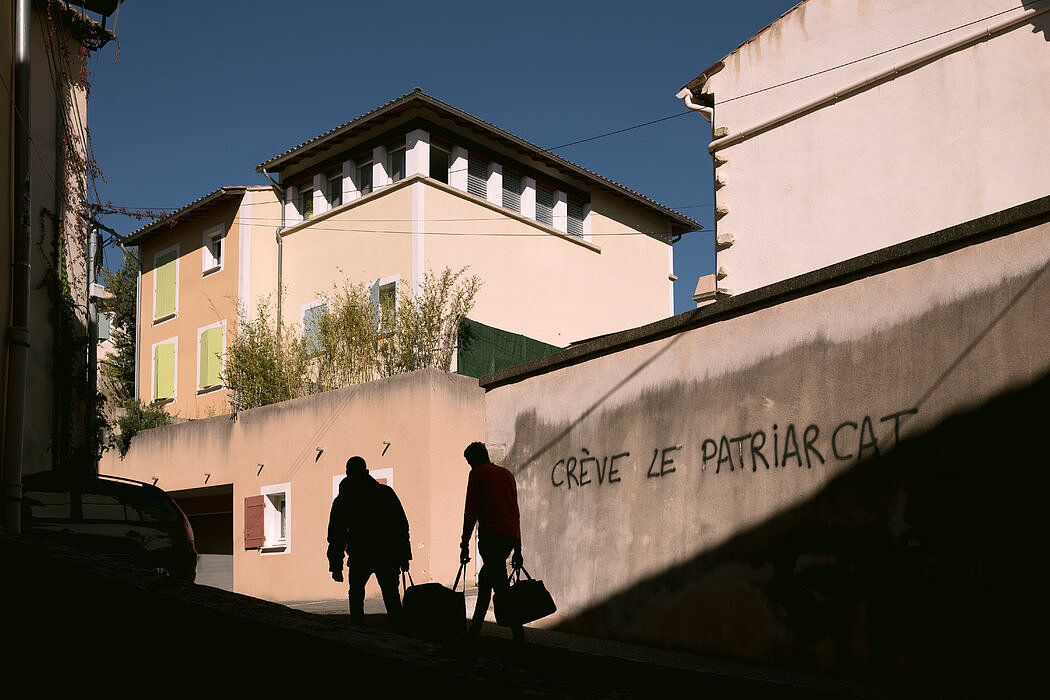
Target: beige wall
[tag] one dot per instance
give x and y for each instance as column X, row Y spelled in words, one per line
column 201, row 300
column 415, row 425
column 954, row 139
column 787, row 547
column 53, row 416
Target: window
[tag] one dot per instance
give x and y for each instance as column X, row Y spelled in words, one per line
column 212, row 249
column 384, row 300
column 396, row 163
column 104, row 326
column 574, row 224
column 312, row 314
column 165, row 283
column 544, row 205
column 440, row 157
column 335, row 189
column 363, row 170
column 477, row 177
column 306, row 202
column 511, row 191
column 209, row 357
column 276, row 521
column 164, row 354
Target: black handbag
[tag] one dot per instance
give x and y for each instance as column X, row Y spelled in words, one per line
column 526, row 600
column 433, row 608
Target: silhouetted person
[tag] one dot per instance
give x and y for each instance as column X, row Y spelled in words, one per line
column 492, row 503
column 369, row 524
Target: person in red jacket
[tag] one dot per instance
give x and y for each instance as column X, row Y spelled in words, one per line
column 492, row 504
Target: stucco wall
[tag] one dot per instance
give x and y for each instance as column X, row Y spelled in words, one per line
column 948, row 141
column 414, row 425
column 782, row 480
column 201, row 300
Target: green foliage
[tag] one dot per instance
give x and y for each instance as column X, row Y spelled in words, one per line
column 119, row 367
column 138, row 416
column 353, row 338
column 265, row 364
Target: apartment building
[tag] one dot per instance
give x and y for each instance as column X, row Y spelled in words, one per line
column 415, row 185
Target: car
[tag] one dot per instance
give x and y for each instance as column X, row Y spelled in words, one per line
column 131, row 520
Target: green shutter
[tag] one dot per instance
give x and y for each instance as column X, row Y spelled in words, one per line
column 164, row 288
column 210, row 358
column 164, row 371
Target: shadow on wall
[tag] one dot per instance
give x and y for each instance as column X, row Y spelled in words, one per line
column 920, row 566
column 1042, row 22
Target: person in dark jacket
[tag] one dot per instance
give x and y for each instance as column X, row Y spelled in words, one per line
column 491, row 503
column 369, row 524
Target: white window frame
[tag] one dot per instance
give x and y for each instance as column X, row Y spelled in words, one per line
column 174, row 373
column 174, row 313
column 222, row 357
column 328, row 178
column 384, row 473
column 300, row 201
column 271, row 519
column 382, row 282
column 210, row 262
column 306, row 307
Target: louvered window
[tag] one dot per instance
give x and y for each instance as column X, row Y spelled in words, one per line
column 574, row 225
column 511, row 192
column 545, row 206
column 477, row 178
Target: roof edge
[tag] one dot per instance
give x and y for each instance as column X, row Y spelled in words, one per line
column 173, row 217
column 955, row 237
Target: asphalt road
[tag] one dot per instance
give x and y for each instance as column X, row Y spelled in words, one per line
column 80, row 622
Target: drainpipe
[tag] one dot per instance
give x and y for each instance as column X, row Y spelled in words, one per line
column 686, row 96
column 280, row 249
column 21, row 227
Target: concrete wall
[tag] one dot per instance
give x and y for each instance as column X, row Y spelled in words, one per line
column 412, row 428
column 950, row 140
column 792, row 476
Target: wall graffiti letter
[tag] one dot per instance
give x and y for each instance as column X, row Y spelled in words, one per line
column 554, row 469
column 725, row 454
column 570, row 472
column 704, row 456
column 834, row 440
column 757, row 450
column 808, row 441
column 583, row 470
column 896, row 418
column 790, row 450
column 612, row 467
column 870, row 443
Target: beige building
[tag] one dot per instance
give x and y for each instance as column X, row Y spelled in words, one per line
column 42, row 210
column 847, row 126
column 413, row 186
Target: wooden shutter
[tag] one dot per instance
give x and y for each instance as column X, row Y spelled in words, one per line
column 164, row 371
column 210, row 358
column 254, row 522
column 164, row 288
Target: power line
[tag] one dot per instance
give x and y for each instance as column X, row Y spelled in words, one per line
column 619, row 131
column 865, row 58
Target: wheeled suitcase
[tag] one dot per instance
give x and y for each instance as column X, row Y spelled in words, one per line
column 436, row 609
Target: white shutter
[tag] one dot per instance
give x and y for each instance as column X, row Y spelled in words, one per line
column 545, row 206
column 477, row 178
column 511, row 192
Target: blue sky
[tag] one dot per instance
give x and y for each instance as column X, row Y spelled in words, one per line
column 205, row 91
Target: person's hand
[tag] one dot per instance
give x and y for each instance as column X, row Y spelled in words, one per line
column 404, row 565
column 337, row 576
column 516, row 560
column 464, row 554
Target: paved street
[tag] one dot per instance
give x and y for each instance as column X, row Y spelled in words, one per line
column 84, row 621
